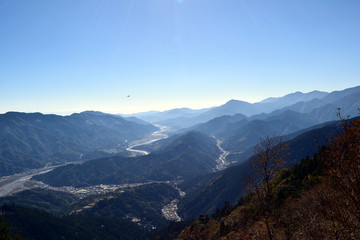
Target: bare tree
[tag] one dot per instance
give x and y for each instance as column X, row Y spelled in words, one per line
column 269, row 158
column 343, row 176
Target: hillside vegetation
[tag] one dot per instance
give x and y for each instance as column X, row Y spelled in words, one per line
column 32, row 140
column 129, row 213
column 35, row 224
column 185, row 157
column 208, row 192
column 316, row 199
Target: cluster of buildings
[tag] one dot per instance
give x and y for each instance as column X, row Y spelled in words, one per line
column 169, row 211
column 84, row 191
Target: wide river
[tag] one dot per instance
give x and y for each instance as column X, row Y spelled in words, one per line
column 156, row 136
column 16, row 182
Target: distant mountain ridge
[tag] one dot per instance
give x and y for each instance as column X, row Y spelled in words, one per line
column 298, row 102
column 185, row 117
column 157, row 116
column 240, row 132
column 346, row 99
column 296, row 97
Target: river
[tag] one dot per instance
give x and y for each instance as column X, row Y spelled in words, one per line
column 21, row 181
column 222, row 163
column 155, row 136
column 17, row 182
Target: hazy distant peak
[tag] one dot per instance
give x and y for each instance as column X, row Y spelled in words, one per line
column 297, row 97
column 346, row 92
column 234, row 101
column 22, row 113
column 235, row 105
column 178, row 109
column 93, row 112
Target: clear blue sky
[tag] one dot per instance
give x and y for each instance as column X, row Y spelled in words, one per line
column 62, row 56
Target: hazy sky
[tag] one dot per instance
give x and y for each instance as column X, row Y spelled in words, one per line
column 62, row 56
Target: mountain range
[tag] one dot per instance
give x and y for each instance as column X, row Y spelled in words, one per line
column 298, row 102
column 32, row 140
column 190, row 156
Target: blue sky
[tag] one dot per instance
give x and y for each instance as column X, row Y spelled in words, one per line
column 63, row 56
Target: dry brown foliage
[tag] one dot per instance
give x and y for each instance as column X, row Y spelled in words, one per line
column 329, row 210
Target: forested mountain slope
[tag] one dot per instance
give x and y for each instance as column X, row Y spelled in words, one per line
column 31, row 140
column 185, row 157
column 316, row 199
column 230, row 184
